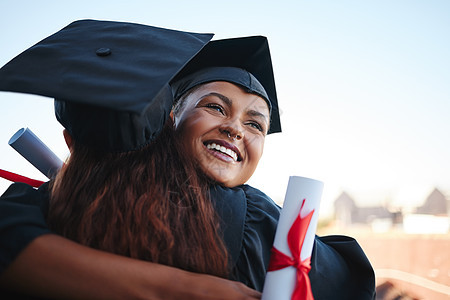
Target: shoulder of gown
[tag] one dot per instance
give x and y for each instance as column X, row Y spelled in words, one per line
column 248, row 219
column 22, row 219
column 340, row 269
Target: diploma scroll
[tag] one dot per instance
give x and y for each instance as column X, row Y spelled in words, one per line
column 287, row 277
column 36, row 152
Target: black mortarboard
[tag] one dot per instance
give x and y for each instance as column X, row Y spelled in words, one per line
column 110, row 80
column 223, row 60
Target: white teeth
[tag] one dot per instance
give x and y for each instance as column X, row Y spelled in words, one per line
column 222, row 149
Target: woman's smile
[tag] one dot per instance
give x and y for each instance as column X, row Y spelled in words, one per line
column 223, row 150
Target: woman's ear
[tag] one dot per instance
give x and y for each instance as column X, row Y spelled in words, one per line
column 172, row 116
column 69, row 139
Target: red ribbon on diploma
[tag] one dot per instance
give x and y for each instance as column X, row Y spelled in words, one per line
column 19, row 178
column 279, row 260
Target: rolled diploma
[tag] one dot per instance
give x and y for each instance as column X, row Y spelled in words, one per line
column 280, row 284
column 36, row 152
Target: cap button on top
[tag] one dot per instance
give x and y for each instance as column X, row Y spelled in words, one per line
column 103, row 51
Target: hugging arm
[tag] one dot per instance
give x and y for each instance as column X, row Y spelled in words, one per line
column 36, row 262
column 54, row 267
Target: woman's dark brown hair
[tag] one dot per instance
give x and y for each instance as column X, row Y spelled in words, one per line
column 150, row 204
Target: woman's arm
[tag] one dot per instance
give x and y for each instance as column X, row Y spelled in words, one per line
column 52, row 266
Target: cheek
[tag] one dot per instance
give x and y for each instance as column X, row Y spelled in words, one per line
column 191, row 130
column 255, row 149
column 188, row 125
column 192, row 120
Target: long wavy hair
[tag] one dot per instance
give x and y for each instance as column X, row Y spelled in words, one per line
column 151, row 204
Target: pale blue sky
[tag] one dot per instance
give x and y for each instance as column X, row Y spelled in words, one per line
column 363, row 86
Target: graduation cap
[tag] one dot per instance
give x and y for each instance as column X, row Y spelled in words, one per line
column 244, row 61
column 110, row 80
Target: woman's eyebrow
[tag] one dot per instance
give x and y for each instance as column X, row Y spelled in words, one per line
column 225, row 99
column 255, row 113
column 229, row 102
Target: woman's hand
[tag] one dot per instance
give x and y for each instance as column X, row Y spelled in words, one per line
column 55, row 267
column 201, row 286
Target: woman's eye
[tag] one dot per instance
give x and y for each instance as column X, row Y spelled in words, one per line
column 216, row 107
column 256, row 125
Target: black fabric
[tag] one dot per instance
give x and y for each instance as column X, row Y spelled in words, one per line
column 238, row 76
column 111, row 130
column 249, row 220
column 21, row 219
column 116, row 66
column 340, row 269
column 352, row 274
column 360, row 282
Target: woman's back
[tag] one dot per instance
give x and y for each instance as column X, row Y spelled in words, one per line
column 139, row 204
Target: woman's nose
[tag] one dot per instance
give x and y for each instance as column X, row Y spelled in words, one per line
column 232, row 132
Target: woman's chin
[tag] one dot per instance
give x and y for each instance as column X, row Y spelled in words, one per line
column 229, row 182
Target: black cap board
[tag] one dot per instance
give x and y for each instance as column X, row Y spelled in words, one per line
column 110, row 80
column 232, row 60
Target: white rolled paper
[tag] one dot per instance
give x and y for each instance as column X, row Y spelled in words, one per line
column 36, row 152
column 280, row 284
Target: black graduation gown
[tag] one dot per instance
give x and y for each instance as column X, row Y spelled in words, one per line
column 340, row 269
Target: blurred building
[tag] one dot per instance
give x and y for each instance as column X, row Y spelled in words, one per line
column 433, row 216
